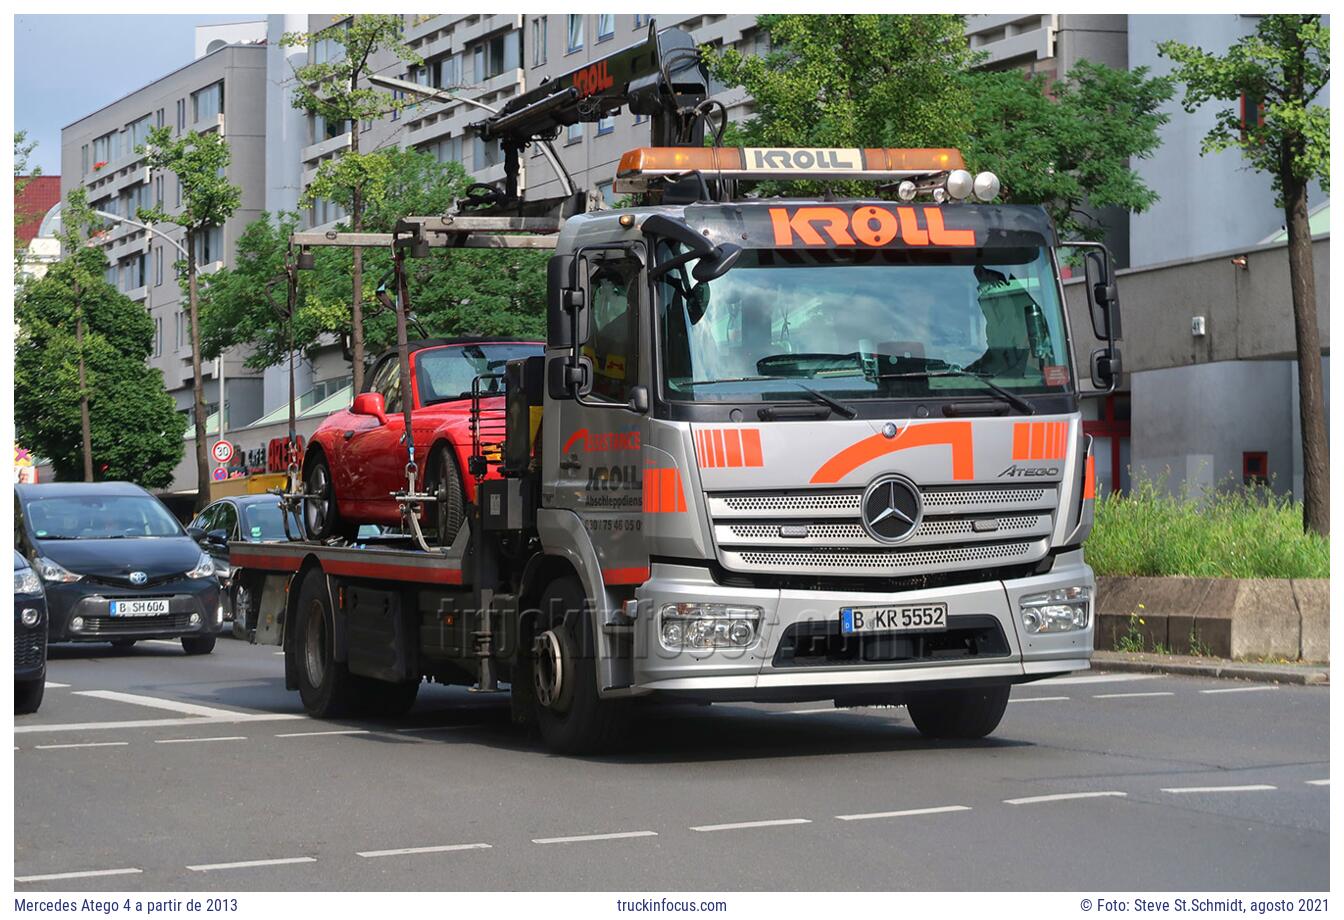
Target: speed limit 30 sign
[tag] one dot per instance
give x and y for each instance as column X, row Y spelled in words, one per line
column 222, row 451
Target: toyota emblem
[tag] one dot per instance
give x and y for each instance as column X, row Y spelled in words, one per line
column 139, row 578
column 892, row 509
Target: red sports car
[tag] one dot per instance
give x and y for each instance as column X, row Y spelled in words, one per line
column 356, row 459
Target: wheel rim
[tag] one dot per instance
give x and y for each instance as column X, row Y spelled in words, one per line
column 548, row 668
column 316, row 510
column 315, row 644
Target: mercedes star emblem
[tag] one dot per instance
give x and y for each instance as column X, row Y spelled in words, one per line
column 892, row 509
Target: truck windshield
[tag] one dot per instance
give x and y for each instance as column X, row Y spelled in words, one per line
column 876, row 324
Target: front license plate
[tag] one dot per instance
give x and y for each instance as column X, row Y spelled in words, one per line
column 898, row 618
column 146, row 608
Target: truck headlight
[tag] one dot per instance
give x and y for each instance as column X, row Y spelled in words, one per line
column 705, row 626
column 205, row 567
column 51, row 571
column 1060, row 610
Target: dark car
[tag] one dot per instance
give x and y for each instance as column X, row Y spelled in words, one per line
column 30, row 637
column 116, row 565
column 246, row 518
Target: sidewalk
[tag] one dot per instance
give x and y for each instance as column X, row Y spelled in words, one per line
column 1288, row 673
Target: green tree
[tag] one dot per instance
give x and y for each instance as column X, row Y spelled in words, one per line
column 908, row 81
column 200, row 162
column 331, row 89
column 1278, row 72
column 82, row 397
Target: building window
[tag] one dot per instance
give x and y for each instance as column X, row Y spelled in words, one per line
column 158, row 191
column 325, row 211
column 104, row 149
column 642, row 20
column 324, row 130
column 575, row 133
column 448, row 150
column 574, row 39
column 1255, row 468
column 538, row 41
column 327, row 48
column 486, row 154
column 181, row 115
column 84, row 160
column 496, row 55
column 397, row 96
column 606, row 26
column 158, row 336
column 177, row 185
column 158, row 118
column 209, row 244
column 446, row 72
column 181, row 330
column 608, row 195
column 606, row 125
column 158, row 267
column 133, row 272
column 207, row 103
column 1252, row 114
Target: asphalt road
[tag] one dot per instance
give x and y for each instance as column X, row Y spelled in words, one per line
column 148, row 770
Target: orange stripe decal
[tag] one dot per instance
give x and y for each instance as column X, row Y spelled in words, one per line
column 717, row 435
column 663, row 493
column 1040, row 440
column 956, row 435
column 732, row 440
column 1021, row 439
column 1090, row 479
column 751, row 447
column 728, row 447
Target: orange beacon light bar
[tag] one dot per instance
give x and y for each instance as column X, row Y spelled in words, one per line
column 882, row 163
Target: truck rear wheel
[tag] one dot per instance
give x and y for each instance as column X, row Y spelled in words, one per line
column 325, row 684
column 970, row 713
column 572, row 717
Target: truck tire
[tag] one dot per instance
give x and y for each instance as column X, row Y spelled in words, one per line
column 446, row 484
column 325, row 685
column 198, row 645
column 970, row 713
column 28, row 695
column 385, row 700
column 571, row 716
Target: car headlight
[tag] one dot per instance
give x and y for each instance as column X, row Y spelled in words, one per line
column 27, row 582
column 30, row 617
column 205, row 567
column 706, row 626
column 1060, row 610
column 50, row 571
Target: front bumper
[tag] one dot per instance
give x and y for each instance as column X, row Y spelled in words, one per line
column 30, row 642
column 984, row 643
column 186, row 596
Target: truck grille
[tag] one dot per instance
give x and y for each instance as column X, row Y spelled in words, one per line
column 819, row 531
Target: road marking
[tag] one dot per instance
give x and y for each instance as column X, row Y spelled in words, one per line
column 345, row 731
column 1130, row 696
column 430, row 728
column 584, row 837
column 172, row 642
column 1098, row 679
column 195, row 740
column 804, row 712
column 941, row 809
column 277, row 653
column 1251, row 689
column 1037, row 699
column 1063, row 797
column 51, row 684
column 161, row 723
column 92, row 873
column 1318, row 782
column 1258, row 787
column 86, row 744
column 191, row 709
column 745, row 824
column 409, row 851
column 251, row 863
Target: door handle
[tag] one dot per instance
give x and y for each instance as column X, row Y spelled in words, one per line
column 571, row 464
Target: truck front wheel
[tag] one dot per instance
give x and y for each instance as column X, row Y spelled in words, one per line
column 572, row 717
column 970, row 713
column 325, row 684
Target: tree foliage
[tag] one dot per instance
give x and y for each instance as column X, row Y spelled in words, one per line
column 136, row 428
column 909, row 81
column 330, row 88
column 199, row 161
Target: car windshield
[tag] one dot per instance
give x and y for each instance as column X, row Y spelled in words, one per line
column 883, row 324
column 263, row 522
column 100, row 517
column 446, row 372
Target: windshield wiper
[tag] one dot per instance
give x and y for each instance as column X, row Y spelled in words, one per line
column 835, row 404
column 1017, row 402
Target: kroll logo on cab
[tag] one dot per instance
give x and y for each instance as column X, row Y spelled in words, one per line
column 791, row 160
column 868, row 225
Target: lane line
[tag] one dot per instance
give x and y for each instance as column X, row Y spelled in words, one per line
column 173, row 642
column 277, row 653
column 409, row 851
column 1255, row 688
column 745, row 824
column 344, row 731
column 1130, row 696
column 1318, row 782
column 1036, row 699
column 160, row 723
column 1098, row 679
column 92, row 873
column 86, row 744
column 154, row 702
column 430, row 728
column 586, row 837
column 252, row 863
column 938, row 810
column 51, row 684
column 1064, row 797
column 1257, row 787
column 803, row 712
column 197, row 740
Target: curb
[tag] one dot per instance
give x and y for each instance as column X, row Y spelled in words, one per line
column 1310, row 675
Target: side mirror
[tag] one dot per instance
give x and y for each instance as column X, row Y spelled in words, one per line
column 370, row 404
column 196, row 534
column 639, row 399
column 1106, row 367
column 567, row 381
column 218, row 538
column 568, row 293
column 1103, row 301
column 718, row 263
